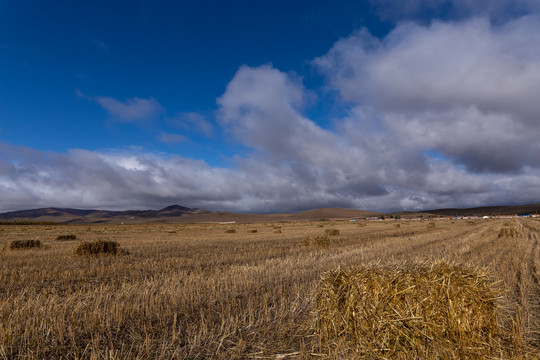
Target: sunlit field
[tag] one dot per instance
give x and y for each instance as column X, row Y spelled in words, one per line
column 203, row 291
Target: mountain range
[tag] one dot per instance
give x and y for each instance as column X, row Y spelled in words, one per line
column 181, row 214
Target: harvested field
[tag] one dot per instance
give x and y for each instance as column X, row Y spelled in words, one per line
column 193, row 291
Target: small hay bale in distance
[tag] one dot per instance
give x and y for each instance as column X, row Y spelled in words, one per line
column 99, row 247
column 411, row 311
column 509, row 232
column 331, row 232
column 66, row 237
column 24, row 244
column 317, row 241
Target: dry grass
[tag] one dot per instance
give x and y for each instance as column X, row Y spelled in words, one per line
column 24, row 244
column 194, row 292
column 413, row 311
column 100, row 247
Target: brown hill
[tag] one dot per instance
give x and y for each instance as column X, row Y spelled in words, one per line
column 489, row 210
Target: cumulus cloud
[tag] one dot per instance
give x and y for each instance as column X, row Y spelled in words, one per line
column 464, row 88
column 132, row 110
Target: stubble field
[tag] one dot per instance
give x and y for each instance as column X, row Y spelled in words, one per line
column 201, row 291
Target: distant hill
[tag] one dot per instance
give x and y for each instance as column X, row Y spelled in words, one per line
column 488, row 210
column 181, row 214
column 66, row 215
column 175, row 213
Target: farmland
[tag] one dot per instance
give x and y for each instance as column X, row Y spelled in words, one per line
column 203, row 291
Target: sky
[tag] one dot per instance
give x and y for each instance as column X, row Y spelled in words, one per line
column 269, row 106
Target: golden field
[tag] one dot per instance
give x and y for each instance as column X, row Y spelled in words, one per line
column 200, row 291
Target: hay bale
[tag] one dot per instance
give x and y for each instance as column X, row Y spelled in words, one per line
column 509, row 232
column 99, row 247
column 66, row 237
column 24, row 244
column 410, row 311
column 317, row 241
column 331, row 232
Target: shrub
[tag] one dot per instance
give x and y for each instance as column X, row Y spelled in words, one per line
column 317, row 241
column 66, row 237
column 431, row 225
column 230, row 231
column 422, row 311
column 24, row 244
column 254, row 231
column 331, row 232
column 397, row 226
column 99, row 247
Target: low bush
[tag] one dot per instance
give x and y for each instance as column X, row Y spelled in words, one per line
column 431, row 225
column 331, row 232
column 230, row 231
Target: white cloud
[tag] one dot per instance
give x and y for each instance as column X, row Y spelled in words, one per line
column 466, row 89
column 132, row 110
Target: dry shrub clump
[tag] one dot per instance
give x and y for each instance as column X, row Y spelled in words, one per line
column 317, row 241
column 509, row 232
column 331, row 232
column 254, row 231
column 230, row 231
column 99, row 247
column 66, row 237
column 412, row 311
column 431, row 225
column 24, row 244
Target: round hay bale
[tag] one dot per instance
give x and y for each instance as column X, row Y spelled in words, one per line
column 411, row 311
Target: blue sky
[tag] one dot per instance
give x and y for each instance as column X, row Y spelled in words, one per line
column 269, row 106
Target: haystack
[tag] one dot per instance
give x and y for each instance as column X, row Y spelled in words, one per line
column 99, row 247
column 24, row 244
column 411, row 311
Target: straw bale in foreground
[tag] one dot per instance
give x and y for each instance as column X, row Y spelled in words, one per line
column 412, row 311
